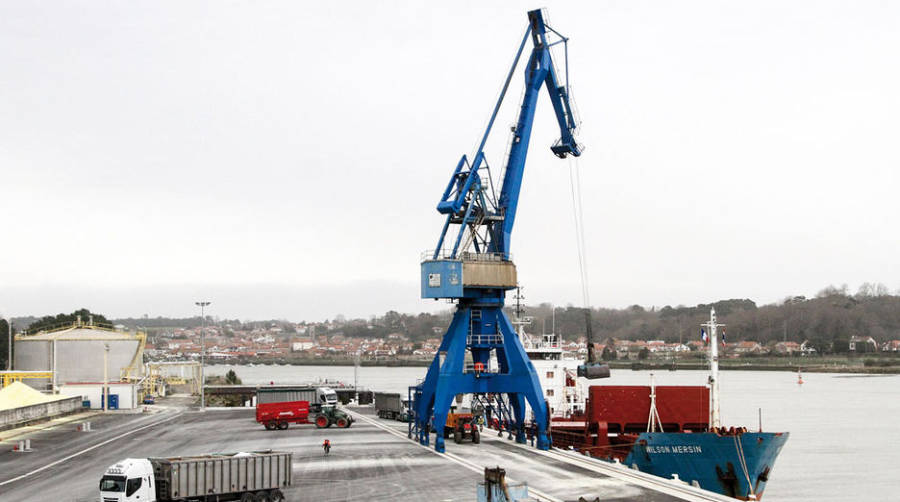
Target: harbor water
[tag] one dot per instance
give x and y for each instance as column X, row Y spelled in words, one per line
column 844, row 428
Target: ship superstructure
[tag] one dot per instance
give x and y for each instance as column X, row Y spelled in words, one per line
column 556, row 369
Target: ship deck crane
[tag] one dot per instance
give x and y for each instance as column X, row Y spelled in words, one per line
column 476, row 269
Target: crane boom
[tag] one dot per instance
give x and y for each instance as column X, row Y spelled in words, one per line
column 465, row 189
column 539, row 71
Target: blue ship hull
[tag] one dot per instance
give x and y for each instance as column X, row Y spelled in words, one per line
column 733, row 465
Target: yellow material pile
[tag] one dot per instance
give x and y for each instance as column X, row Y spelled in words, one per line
column 17, row 394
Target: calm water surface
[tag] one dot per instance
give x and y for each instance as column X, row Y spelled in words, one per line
column 845, row 429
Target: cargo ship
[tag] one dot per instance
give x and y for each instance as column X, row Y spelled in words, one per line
column 673, row 432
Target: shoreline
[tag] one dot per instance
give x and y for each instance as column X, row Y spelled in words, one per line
column 619, row 365
column 793, row 368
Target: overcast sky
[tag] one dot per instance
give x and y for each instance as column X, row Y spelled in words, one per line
column 283, row 159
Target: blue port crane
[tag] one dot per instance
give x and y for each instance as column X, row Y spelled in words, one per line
column 473, row 266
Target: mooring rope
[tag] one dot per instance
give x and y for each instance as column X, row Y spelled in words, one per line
column 743, row 460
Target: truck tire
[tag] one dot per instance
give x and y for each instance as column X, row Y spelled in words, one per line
column 476, row 436
column 457, row 436
column 282, row 426
column 248, row 497
column 276, row 496
column 322, row 421
column 263, row 496
column 270, row 425
column 342, row 422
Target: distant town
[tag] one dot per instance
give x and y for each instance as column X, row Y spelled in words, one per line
column 225, row 343
column 824, row 330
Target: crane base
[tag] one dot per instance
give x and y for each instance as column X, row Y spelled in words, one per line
column 482, row 330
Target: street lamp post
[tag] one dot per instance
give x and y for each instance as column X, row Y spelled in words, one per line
column 202, row 305
column 105, row 392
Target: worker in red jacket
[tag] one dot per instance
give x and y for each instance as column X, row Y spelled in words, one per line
column 326, row 445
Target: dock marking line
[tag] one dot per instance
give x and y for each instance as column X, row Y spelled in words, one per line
column 98, row 445
column 450, row 456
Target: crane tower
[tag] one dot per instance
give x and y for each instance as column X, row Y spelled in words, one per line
column 474, row 268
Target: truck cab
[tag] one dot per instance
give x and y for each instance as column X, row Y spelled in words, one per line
column 129, row 480
column 326, row 396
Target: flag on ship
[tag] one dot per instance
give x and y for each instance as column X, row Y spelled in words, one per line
column 703, row 336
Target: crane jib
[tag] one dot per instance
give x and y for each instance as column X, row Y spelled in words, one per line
column 490, row 221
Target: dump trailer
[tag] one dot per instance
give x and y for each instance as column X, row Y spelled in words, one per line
column 390, row 405
column 253, row 476
column 279, row 415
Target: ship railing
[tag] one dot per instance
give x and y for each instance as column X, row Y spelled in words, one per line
column 550, row 341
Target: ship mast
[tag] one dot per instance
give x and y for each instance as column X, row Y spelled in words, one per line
column 521, row 321
column 714, row 418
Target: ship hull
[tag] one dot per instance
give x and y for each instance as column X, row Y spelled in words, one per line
column 736, row 465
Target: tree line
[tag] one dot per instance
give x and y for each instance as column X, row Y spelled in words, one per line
column 826, row 321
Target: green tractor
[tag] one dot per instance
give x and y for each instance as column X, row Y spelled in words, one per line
column 326, row 416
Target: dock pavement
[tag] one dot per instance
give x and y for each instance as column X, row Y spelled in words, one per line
column 371, row 461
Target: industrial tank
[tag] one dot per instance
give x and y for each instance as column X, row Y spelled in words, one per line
column 75, row 354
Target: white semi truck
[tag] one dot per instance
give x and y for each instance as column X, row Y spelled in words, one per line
column 246, row 477
column 326, row 396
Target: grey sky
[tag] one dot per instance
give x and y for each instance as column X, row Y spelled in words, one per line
column 284, row 158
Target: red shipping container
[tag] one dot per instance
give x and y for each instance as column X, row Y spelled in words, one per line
column 626, row 408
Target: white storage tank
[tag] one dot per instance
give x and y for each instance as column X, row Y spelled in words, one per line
column 76, row 354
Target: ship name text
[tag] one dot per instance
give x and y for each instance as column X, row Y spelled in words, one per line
column 675, row 449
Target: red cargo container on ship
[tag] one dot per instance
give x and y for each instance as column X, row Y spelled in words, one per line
column 279, row 415
column 616, row 414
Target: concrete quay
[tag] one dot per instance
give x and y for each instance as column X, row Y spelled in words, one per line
column 371, row 461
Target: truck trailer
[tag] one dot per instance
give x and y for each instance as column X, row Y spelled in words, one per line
column 321, row 395
column 391, row 406
column 258, row 476
column 278, row 407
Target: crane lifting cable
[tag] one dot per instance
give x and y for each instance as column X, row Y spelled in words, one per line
column 591, row 369
column 578, row 216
